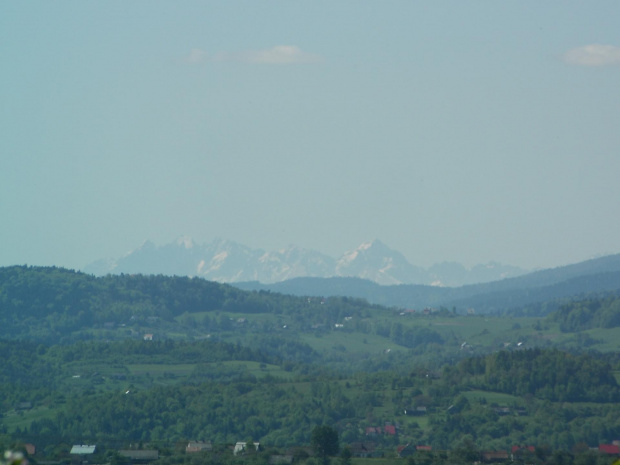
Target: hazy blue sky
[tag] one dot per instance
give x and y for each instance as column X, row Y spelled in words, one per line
column 450, row 130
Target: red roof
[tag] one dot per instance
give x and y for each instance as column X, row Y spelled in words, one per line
column 424, row 448
column 523, row 448
column 609, row 449
column 390, row 429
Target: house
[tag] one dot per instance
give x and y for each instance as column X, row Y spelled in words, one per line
column 30, row 449
column 390, row 429
column 148, row 337
column 494, row 455
column 610, row 449
column 426, row 448
column 373, row 431
column 522, row 452
column 198, row 446
column 241, row 446
column 83, row 449
column 522, row 449
column 140, row 456
column 79, row 453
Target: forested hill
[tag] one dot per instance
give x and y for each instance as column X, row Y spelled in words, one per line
column 50, row 303
column 588, row 314
column 545, row 374
column 62, row 301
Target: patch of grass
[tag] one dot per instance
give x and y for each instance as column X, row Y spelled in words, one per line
column 156, row 369
column 353, row 343
column 144, row 375
column 23, row 418
column 498, row 398
column 260, row 370
column 608, row 339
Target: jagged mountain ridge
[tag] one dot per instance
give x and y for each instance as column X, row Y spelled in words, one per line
column 231, row 262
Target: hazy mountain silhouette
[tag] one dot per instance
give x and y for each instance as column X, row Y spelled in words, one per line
column 231, row 262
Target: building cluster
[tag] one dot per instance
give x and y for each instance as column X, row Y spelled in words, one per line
column 368, row 449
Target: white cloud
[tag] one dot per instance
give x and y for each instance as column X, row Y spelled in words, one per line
column 196, row 56
column 280, row 54
column 593, row 55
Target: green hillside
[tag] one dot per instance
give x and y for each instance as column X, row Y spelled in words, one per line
column 160, row 361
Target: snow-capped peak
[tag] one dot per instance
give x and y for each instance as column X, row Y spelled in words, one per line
column 365, row 245
column 186, row 242
column 145, row 246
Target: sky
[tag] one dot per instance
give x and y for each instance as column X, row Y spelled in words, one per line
column 465, row 131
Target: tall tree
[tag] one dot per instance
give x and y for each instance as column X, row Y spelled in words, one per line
column 324, row 441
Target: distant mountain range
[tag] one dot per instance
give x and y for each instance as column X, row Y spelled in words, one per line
column 374, row 272
column 537, row 293
column 231, row 262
